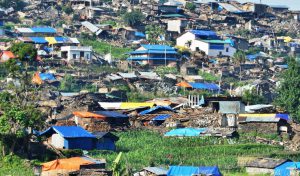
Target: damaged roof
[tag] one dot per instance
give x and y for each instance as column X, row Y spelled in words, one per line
column 269, row 163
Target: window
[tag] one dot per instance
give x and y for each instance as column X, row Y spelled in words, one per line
column 227, row 50
column 81, row 54
column 74, row 56
column 220, row 53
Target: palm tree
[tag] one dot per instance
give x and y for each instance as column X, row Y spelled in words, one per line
column 238, row 58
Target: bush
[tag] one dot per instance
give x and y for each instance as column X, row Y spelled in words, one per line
column 208, row 76
column 67, row 9
column 163, row 70
column 190, row 6
column 133, row 18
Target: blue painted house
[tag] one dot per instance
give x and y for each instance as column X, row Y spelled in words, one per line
column 154, row 55
column 75, row 137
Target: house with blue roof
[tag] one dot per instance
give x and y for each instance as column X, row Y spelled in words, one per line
column 75, row 137
column 206, row 41
column 36, row 32
column 192, row 170
column 154, row 55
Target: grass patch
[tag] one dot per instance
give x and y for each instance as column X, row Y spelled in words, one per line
column 209, row 76
column 15, row 166
column 146, row 148
column 104, row 48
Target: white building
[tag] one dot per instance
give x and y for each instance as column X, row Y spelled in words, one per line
column 76, row 52
column 206, row 41
column 177, row 25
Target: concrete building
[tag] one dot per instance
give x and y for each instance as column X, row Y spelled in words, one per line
column 76, row 52
column 154, row 55
column 206, row 41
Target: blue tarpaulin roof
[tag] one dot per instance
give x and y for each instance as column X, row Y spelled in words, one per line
column 282, row 116
column 47, row 76
column 60, row 39
column 204, row 86
column 182, row 171
column 39, row 40
column 151, row 58
column 284, row 169
column 191, row 170
column 43, row 30
column 149, row 111
column 157, row 47
column 185, row 132
column 112, row 114
column 139, row 34
column 153, row 52
column 205, row 34
column 161, row 117
column 68, row 132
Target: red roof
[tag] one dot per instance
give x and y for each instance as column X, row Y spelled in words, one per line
column 9, row 54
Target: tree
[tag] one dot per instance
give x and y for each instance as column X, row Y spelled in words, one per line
column 288, row 92
column 155, row 32
column 252, row 98
column 26, row 54
column 67, row 9
column 133, row 18
column 16, row 4
column 16, row 121
column 190, row 6
column 238, row 58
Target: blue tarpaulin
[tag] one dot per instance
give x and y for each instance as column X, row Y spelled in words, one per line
column 191, row 170
column 39, row 40
column 139, row 34
column 43, row 30
column 284, row 169
column 161, row 117
column 205, row 33
column 47, row 76
column 61, row 39
column 149, row 111
column 204, row 86
column 182, row 171
column 111, row 114
column 68, row 132
column 282, row 116
column 185, row 132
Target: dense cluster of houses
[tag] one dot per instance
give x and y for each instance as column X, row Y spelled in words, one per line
column 196, row 41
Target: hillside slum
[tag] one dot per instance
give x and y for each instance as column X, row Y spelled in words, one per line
column 183, row 70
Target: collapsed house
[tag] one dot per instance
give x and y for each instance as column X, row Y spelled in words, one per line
column 74, row 166
column 264, row 165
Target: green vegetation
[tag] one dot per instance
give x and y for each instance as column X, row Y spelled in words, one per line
column 155, row 32
column 69, row 84
column 133, row 18
column 110, row 22
column 238, row 58
column 190, row 6
column 252, row 98
column 14, row 165
column 16, row 4
column 289, row 90
column 104, row 48
column 208, row 76
column 162, row 70
column 67, row 9
column 146, row 148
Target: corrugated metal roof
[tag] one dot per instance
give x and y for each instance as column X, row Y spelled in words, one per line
column 156, row 170
column 90, row 26
column 154, row 52
column 206, row 33
column 24, row 30
column 110, row 105
column 217, row 41
column 127, row 75
column 149, row 75
column 128, row 105
column 230, row 7
column 230, row 107
column 68, row 132
column 152, row 58
column 157, row 47
column 151, row 110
